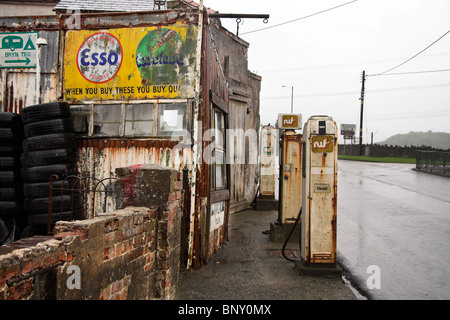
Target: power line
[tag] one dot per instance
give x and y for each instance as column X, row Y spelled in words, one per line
column 328, row 94
column 342, row 65
column 378, row 74
column 308, row 16
column 395, row 116
column 414, row 72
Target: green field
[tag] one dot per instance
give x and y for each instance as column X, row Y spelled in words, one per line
column 378, row 159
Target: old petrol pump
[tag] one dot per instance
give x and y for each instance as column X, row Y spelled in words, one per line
column 319, row 193
column 290, row 183
column 290, row 175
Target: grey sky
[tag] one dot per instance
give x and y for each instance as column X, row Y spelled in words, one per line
column 323, row 57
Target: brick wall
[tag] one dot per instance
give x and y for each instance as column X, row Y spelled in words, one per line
column 132, row 253
column 162, row 188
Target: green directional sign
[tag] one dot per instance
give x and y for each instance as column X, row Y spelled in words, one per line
column 18, row 49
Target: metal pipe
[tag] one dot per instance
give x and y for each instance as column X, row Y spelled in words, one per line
column 238, row 15
column 40, row 42
column 196, row 144
column 292, row 97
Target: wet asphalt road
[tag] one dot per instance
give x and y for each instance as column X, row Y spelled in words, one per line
column 397, row 219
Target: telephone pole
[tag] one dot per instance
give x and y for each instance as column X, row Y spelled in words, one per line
column 362, row 111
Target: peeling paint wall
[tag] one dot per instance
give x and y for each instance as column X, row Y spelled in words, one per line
column 101, row 157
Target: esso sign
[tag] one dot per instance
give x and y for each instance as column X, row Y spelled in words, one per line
column 100, row 57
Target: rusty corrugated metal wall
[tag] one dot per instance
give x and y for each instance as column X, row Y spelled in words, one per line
column 99, row 156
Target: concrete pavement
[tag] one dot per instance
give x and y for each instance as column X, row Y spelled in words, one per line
column 251, row 267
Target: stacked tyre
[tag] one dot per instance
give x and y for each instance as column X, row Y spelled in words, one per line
column 12, row 214
column 48, row 149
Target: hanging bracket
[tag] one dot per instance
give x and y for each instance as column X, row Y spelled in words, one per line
column 239, row 17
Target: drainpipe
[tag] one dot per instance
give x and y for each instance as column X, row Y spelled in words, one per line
column 39, row 42
column 196, row 156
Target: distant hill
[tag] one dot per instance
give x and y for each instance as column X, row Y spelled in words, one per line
column 438, row 140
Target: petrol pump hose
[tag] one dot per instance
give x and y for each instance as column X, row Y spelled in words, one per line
column 290, row 234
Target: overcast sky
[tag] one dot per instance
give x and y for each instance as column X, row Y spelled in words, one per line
column 323, row 56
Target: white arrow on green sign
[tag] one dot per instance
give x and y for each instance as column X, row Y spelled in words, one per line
column 18, row 49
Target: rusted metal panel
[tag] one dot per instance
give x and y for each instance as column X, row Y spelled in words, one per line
column 30, row 23
column 95, row 21
column 20, row 89
column 291, row 177
column 98, row 20
column 101, row 157
column 269, row 148
column 49, row 53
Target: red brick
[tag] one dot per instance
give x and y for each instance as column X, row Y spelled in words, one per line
column 34, row 264
column 116, row 286
column 118, row 248
column 62, row 235
column 6, row 274
column 54, row 257
column 171, row 214
column 178, row 185
column 106, row 254
column 110, row 236
column 69, row 256
column 20, row 291
column 123, row 295
column 172, row 196
column 152, row 213
column 104, row 295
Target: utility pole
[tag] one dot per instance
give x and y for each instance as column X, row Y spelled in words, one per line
column 292, row 97
column 362, row 111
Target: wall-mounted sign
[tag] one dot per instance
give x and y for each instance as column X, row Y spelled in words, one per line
column 130, row 63
column 18, row 49
column 217, row 215
column 289, row 121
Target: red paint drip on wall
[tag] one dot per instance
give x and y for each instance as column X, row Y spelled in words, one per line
column 128, row 185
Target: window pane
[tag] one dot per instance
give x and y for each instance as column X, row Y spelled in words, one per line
column 219, row 128
column 220, row 169
column 139, row 120
column 171, row 118
column 107, row 119
column 80, row 116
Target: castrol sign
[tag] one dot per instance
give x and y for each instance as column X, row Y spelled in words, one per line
column 99, row 58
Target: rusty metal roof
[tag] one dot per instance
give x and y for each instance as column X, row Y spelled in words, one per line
column 111, row 5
